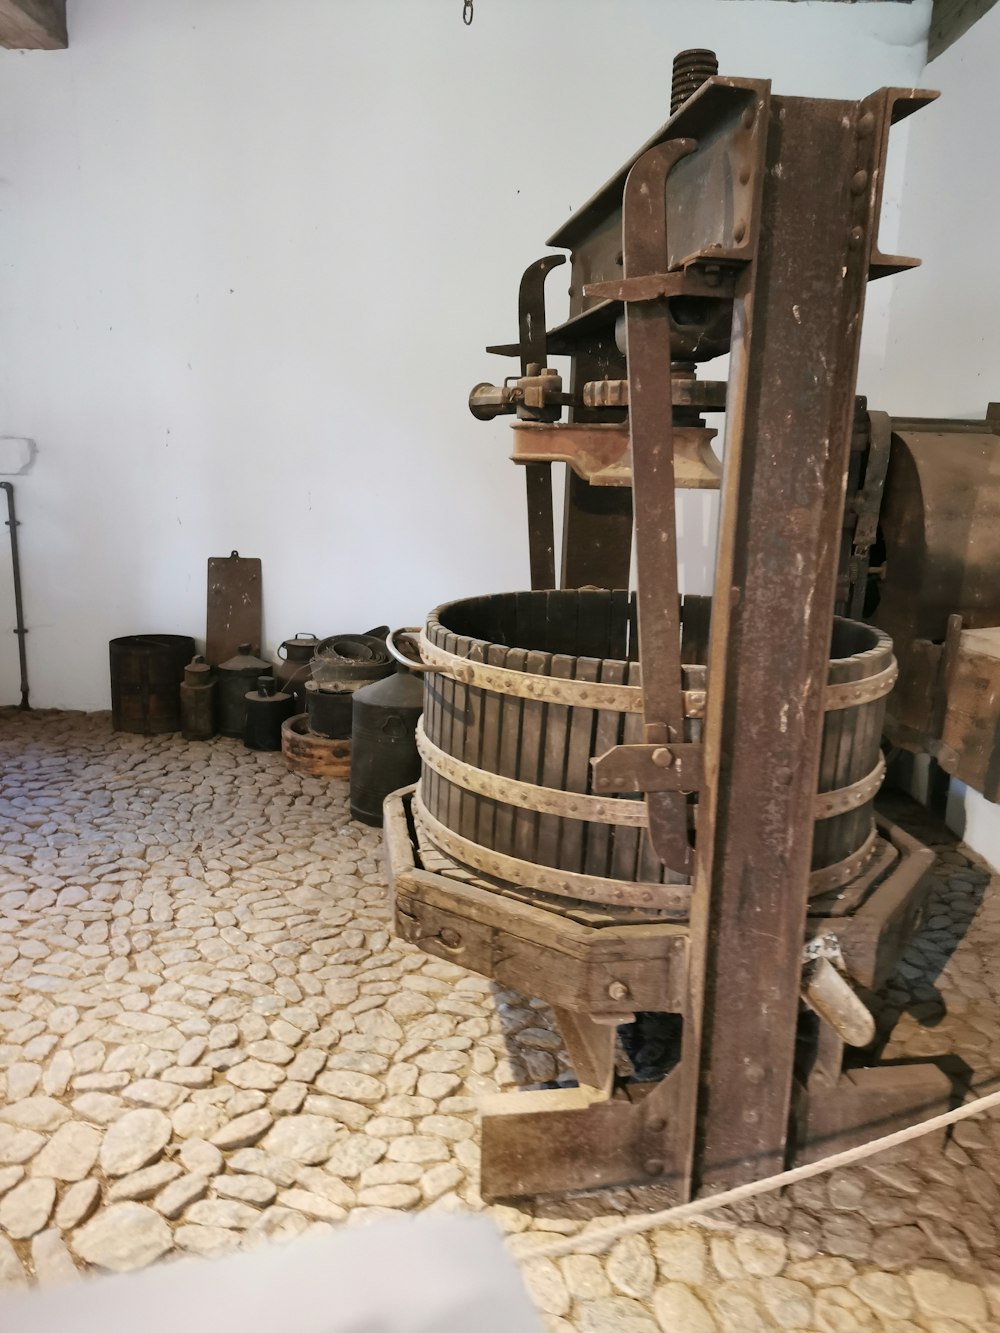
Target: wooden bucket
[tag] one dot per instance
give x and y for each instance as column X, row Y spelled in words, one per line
column 526, row 688
column 312, row 755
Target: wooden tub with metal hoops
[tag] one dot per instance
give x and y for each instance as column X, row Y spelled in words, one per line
column 525, row 690
column 505, row 860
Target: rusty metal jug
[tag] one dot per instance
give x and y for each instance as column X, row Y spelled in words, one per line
column 236, row 677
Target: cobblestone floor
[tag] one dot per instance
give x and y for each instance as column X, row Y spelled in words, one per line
column 209, row 1038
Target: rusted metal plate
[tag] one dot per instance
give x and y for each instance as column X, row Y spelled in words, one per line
column 593, row 232
column 648, row 346
column 234, row 606
column 677, row 767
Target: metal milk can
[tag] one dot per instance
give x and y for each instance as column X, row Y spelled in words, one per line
column 266, row 709
column 292, row 670
column 384, row 737
column 236, row 677
column 198, row 691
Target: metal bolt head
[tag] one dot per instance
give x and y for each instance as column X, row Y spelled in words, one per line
column 654, row 1166
column 866, row 124
column 451, row 939
column 739, row 230
column 657, row 1125
column 859, row 181
column 662, row 757
column 617, row 990
column 748, row 118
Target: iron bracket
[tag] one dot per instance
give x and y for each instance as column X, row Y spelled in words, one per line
column 645, row 768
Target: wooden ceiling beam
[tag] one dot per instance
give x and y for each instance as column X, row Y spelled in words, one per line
column 951, row 19
column 33, row 25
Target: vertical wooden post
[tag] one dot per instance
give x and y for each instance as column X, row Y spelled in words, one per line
column 797, row 325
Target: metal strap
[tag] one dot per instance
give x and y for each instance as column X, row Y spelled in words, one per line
column 842, row 799
column 842, row 872
column 617, row 698
column 603, row 809
column 671, row 898
column 851, row 693
column 547, row 689
column 526, row 795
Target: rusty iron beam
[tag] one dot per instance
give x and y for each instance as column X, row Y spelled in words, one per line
column 792, row 403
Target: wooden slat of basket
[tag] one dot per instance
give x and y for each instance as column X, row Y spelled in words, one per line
column 579, row 748
column 530, row 760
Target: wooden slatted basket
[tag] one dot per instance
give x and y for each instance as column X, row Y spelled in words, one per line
column 527, row 688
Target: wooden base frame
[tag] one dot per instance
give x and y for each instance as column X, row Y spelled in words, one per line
column 603, row 1133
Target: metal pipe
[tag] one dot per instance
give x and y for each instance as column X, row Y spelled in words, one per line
column 15, row 562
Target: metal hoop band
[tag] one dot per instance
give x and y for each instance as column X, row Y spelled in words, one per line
column 842, row 799
column 672, row 898
column 547, row 689
column 842, row 872
column 851, row 693
column 527, row 795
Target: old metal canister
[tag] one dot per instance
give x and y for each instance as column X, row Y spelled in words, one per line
column 266, row 709
column 198, row 690
column 328, row 708
column 383, row 741
column 236, row 677
column 292, row 668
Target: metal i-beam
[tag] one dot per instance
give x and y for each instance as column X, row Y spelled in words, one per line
column 797, row 327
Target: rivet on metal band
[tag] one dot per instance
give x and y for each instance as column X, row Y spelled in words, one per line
column 546, row 689
column 851, row 693
column 842, row 799
column 832, row 877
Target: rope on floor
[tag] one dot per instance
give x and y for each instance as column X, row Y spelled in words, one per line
column 595, row 1242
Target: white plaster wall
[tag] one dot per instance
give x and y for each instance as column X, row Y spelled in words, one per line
column 943, row 333
column 250, row 254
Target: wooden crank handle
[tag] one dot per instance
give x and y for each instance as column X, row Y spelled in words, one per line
column 412, row 633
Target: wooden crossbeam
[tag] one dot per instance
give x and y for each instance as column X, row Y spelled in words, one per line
column 33, row 25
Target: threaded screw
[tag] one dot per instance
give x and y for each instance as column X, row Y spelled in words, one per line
column 691, row 69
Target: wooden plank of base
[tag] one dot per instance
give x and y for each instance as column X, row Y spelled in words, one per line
column 611, row 970
column 591, row 1048
column 549, row 1142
